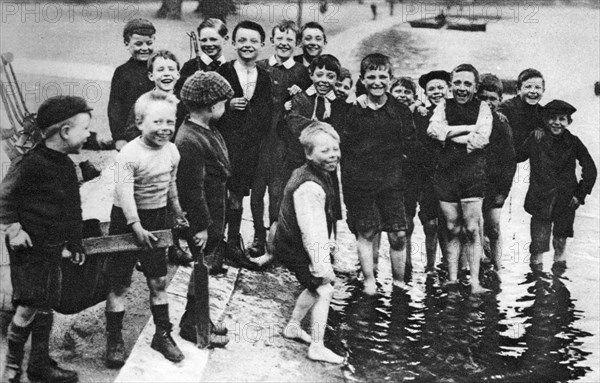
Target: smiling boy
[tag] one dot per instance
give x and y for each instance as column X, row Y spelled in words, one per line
column 313, row 42
column 130, row 80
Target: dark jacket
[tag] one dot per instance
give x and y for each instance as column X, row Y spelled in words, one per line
column 522, row 118
column 41, row 192
column 129, row 82
column 427, row 148
column 501, row 161
column 553, row 179
column 300, row 59
column 203, row 170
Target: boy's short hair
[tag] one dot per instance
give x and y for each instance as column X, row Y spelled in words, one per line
column 345, row 74
column 286, row 25
column 491, row 83
column 141, row 27
column 329, row 62
column 375, row 61
column 214, row 23
column 146, row 99
column 406, row 82
column 247, row 24
column 467, row 68
column 313, row 25
column 165, row 54
column 308, row 134
column 528, row 74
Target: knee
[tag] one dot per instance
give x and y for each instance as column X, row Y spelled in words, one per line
column 453, row 229
column 325, row 291
column 157, row 285
column 368, row 235
column 397, row 240
column 470, row 233
column 24, row 315
column 119, row 290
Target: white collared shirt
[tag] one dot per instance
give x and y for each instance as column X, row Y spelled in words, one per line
column 329, row 97
column 287, row 64
column 247, row 77
column 207, row 60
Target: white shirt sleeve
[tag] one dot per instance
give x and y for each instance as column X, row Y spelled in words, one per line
column 438, row 125
column 124, row 197
column 481, row 136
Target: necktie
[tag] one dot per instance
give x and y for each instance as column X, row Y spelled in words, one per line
column 213, row 66
column 320, row 109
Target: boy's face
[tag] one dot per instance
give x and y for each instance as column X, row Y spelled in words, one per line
column 436, row 90
column 164, row 74
column 325, row 153
column 342, row 88
column 532, row 90
column 158, row 123
column 77, row 132
column 140, row 47
column 404, row 95
column 376, row 81
column 493, row 99
column 313, row 42
column 247, row 44
column 284, row 43
column 218, row 110
column 463, row 86
column 211, row 42
column 324, row 80
column 557, row 123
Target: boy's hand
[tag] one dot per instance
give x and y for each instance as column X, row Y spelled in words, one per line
column 200, row 239
column 119, row 145
column 538, row 133
column 574, row 203
column 288, row 106
column 238, row 103
column 145, row 238
column 422, row 110
column 294, row 89
column 17, row 237
column 181, row 221
column 362, row 101
column 77, row 257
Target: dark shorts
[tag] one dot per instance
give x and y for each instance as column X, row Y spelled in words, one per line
column 453, row 184
column 379, row 210
column 154, row 262
column 36, row 276
column 489, row 200
column 270, row 173
column 419, row 190
column 560, row 224
column 243, row 157
column 216, row 194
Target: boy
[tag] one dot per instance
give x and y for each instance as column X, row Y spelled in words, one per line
column 40, row 211
column 524, row 112
column 313, row 42
column 244, row 125
column 373, row 143
column 464, row 125
column 142, row 196
column 130, row 80
column 201, row 180
column 500, row 167
column 288, row 78
column 554, row 193
column 343, row 85
column 405, row 91
column 305, row 220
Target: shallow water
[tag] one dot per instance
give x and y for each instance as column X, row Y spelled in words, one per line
column 544, row 329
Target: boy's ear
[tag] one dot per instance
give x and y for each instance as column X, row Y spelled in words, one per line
column 272, row 41
column 151, row 76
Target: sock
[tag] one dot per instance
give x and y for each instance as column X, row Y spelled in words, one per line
column 114, row 321
column 234, row 221
column 160, row 313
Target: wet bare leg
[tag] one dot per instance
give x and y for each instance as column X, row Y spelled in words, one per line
column 293, row 329
column 317, row 350
column 473, row 240
column 451, row 241
column 398, row 257
column 365, row 252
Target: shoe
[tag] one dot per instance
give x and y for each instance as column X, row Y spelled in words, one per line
column 236, row 255
column 218, row 336
column 115, row 351
column 258, row 246
column 164, row 343
column 559, row 268
column 179, row 257
column 51, row 373
column 218, row 329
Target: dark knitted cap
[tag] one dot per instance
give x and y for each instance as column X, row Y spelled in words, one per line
column 138, row 26
column 60, row 108
column 433, row 75
column 555, row 107
column 205, row 88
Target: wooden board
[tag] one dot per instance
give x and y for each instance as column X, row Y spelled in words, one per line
column 124, row 242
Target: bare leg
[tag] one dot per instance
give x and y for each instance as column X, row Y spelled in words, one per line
column 431, row 238
column 376, row 246
column 115, row 301
column 560, row 247
column 158, row 291
column 540, row 236
column 451, row 213
column 398, row 257
column 365, row 252
column 492, row 232
column 293, row 329
column 473, row 240
column 320, row 312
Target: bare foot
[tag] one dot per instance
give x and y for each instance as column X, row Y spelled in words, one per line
column 293, row 331
column 370, row 287
column 323, row 354
column 476, row 289
column 402, row 285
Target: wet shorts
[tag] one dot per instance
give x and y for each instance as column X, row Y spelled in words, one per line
column 490, row 200
column 560, row 224
column 243, row 157
column 453, row 184
column 154, row 262
column 419, row 189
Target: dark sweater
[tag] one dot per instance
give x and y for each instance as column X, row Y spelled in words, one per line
column 41, row 192
column 204, row 167
column 501, row 161
column 522, row 118
column 129, row 82
column 427, row 149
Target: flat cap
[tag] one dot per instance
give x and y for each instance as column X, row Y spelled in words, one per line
column 559, row 107
column 138, row 26
column 60, row 108
column 205, row 88
column 433, row 75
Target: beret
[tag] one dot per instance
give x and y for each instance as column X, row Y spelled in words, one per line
column 433, row 75
column 138, row 26
column 559, row 107
column 205, row 88
column 60, row 108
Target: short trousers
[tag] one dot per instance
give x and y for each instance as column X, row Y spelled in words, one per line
column 379, row 210
column 36, row 276
column 419, row 189
column 453, row 184
column 216, row 195
column 560, row 224
column 244, row 162
column 489, row 200
column 154, row 262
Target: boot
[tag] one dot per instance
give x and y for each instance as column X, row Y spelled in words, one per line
column 17, row 337
column 187, row 324
column 214, row 260
column 41, row 368
column 258, row 246
column 115, row 347
column 237, row 256
column 162, row 340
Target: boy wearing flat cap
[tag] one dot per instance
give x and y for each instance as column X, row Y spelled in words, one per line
column 554, row 193
column 202, row 180
column 40, row 212
column 130, row 80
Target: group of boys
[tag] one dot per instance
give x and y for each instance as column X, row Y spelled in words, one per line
column 236, row 133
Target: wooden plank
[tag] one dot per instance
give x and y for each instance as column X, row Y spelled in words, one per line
column 124, row 242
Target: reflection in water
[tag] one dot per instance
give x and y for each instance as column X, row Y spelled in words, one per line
column 450, row 336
